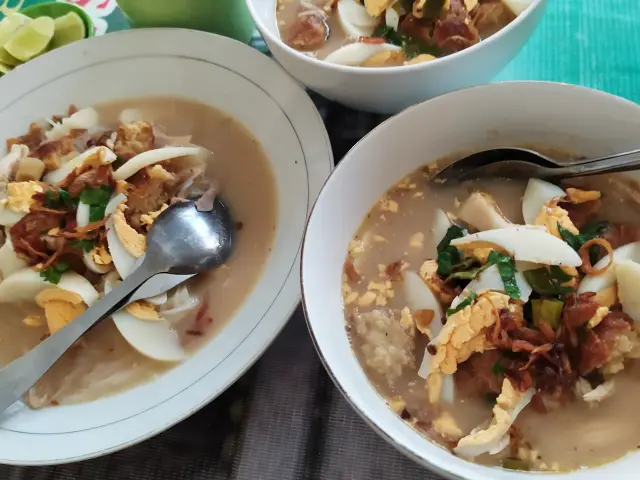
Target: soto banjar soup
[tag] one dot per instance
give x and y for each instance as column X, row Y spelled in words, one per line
column 78, row 195
column 500, row 318
column 386, row 33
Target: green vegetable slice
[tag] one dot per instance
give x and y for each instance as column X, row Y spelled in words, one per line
column 465, row 303
column 86, row 244
column 547, row 311
column 54, row 272
column 448, row 255
column 507, row 269
column 548, row 281
column 97, row 199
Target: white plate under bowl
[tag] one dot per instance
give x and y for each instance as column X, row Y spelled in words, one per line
column 576, row 119
column 256, row 91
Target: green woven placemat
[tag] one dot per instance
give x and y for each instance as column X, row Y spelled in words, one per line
column 595, row 43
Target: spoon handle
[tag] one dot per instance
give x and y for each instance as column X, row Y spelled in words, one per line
column 21, row 374
column 615, row 163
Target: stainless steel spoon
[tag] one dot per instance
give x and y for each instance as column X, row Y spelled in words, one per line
column 524, row 163
column 182, row 241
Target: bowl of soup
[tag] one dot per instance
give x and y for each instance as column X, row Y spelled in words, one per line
column 383, row 56
column 486, row 329
column 89, row 161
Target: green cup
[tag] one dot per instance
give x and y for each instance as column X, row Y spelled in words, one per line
column 230, row 18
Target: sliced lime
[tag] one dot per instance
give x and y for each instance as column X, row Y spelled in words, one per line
column 7, row 59
column 68, row 28
column 10, row 24
column 32, row 39
column 4, row 69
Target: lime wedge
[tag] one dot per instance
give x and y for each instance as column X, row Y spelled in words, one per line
column 7, row 59
column 32, row 39
column 68, row 28
column 10, row 24
column 4, row 69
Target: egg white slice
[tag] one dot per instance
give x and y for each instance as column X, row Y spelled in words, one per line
column 478, row 442
column 122, row 259
column 528, row 244
column 8, row 217
column 627, row 273
column 597, row 283
column 23, row 286
column 356, row 54
column 392, row 18
column 83, row 120
column 490, row 279
column 481, row 212
column 57, row 176
column 537, row 194
column 441, row 223
column 420, row 297
column 355, row 20
column 74, row 282
column 9, row 260
column 153, row 339
column 150, row 157
column 130, row 115
column 17, row 152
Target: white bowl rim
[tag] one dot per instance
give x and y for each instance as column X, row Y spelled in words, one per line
column 287, row 297
column 266, row 32
column 360, row 410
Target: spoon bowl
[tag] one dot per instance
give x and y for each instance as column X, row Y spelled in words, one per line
column 185, row 239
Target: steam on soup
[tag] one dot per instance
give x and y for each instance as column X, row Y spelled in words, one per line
column 79, row 194
column 500, row 318
column 384, row 33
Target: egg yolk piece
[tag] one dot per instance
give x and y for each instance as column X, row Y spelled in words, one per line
column 60, row 307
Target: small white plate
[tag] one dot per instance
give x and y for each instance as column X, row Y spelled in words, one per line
column 254, row 90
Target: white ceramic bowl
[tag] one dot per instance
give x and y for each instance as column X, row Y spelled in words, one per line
column 256, row 91
column 389, row 90
column 577, row 119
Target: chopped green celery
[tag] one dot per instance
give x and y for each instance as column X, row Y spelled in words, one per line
column 547, row 311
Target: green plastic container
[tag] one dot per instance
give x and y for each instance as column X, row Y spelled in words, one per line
column 230, row 18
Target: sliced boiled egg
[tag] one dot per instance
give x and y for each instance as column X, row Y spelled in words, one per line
column 82, row 214
column 92, row 157
column 98, row 260
column 122, row 259
column 490, row 279
column 10, row 262
column 392, row 18
column 482, row 213
column 81, row 120
column 66, row 300
column 134, row 242
column 22, row 286
column 420, row 297
column 153, row 339
column 355, row 54
column 492, row 439
column 9, row 161
column 441, row 223
column 355, row 20
column 18, row 201
column 627, row 273
column 598, row 283
column 537, row 194
column 524, row 243
column 150, row 157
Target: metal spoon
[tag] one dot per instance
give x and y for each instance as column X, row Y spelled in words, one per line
column 524, row 163
column 182, row 241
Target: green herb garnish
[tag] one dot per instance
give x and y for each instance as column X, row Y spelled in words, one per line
column 548, row 311
column 87, row 244
column 507, row 269
column 465, row 303
column 448, row 255
column 548, row 281
column 589, row 232
column 97, row 199
column 59, row 200
column 412, row 47
column 498, row 368
column 54, row 272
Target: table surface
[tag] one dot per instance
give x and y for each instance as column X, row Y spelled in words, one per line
column 284, row 419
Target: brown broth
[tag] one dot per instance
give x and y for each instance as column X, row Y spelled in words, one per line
column 397, row 228
column 104, row 363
